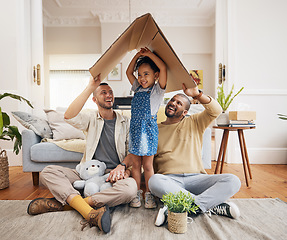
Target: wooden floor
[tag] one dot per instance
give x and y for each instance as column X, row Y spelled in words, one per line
column 269, row 181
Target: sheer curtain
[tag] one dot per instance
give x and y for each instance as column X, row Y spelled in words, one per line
column 66, row 85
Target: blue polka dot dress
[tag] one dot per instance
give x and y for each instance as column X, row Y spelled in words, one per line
column 143, row 126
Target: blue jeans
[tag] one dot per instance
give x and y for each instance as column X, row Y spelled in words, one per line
column 208, row 190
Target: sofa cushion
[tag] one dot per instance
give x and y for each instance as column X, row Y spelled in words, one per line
column 61, row 129
column 39, row 125
column 50, row 152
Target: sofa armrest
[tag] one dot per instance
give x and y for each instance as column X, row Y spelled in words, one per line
column 29, row 138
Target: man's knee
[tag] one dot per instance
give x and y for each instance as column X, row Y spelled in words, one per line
column 129, row 188
column 156, row 178
column 46, row 172
column 156, row 181
column 234, row 183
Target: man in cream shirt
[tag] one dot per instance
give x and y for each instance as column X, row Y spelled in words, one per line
column 178, row 164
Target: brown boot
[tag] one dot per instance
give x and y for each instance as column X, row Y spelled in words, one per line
column 43, row 205
column 99, row 217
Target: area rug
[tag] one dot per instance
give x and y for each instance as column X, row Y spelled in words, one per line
column 260, row 219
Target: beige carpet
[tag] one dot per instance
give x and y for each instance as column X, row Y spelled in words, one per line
column 260, row 219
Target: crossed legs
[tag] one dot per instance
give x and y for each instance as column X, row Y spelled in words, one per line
column 59, row 181
column 207, row 190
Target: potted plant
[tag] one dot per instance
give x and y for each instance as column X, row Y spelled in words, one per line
column 225, row 101
column 178, row 205
column 8, row 132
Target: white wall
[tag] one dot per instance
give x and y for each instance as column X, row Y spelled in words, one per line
column 202, row 62
column 257, row 60
column 72, row 40
column 14, row 64
column 195, row 48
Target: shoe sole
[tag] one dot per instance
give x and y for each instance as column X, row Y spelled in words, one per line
column 234, row 211
column 150, row 207
column 36, row 199
column 135, row 205
column 106, row 221
column 28, row 208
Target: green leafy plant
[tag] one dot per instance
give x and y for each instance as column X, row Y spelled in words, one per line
column 282, row 116
column 179, row 202
column 8, row 132
column 223, row 100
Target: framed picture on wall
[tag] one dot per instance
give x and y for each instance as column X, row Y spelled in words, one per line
column 116, row 73
column 197, row 76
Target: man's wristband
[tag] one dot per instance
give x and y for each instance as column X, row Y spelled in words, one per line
column 199, row 95
column 123, row 164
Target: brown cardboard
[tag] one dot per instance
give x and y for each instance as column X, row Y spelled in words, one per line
column 242, row 115
column 144, row 32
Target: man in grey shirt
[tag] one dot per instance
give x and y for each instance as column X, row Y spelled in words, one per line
column 106, row 150
column 107, row 134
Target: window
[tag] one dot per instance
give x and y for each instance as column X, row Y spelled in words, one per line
column 68, row 77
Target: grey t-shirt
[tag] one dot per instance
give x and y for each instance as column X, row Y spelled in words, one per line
column 106, row 150
column 156, row 95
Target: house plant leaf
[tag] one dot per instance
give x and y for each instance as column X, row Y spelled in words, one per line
column 17, row 97
column 8, row 132
column 226, row 101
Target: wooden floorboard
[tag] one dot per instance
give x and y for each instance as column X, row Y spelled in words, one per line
column 269, row 181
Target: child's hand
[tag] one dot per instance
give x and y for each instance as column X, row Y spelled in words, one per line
column 145, row 51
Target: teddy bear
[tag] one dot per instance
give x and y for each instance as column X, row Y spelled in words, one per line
column 93, row 177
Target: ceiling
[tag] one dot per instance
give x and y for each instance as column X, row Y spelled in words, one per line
column 62, row 13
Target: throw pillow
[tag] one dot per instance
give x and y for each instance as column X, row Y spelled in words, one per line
column 62, row 130
column 38, row 125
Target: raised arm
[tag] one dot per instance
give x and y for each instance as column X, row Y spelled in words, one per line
column 77, row 105
column 131, row 67
column 212, row 107
column 194, row 92
column 160, row 64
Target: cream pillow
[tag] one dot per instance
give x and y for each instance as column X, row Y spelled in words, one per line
column 62, row 130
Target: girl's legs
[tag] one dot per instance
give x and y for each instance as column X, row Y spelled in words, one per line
column 148, row 172
column 147, row 162
column 136, row 170
column 136, row 174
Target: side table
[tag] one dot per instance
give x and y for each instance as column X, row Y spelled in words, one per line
column 223, row 147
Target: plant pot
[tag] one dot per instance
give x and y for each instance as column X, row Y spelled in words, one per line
column 4, row 170
column 177, row 222
column 223, row 119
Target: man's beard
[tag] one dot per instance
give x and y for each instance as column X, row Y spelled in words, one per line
column 174, row 114
column 103, row 105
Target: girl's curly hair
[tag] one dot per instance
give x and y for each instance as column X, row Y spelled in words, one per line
column 146, row 60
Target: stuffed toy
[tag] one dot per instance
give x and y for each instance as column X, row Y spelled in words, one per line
column 93, row 178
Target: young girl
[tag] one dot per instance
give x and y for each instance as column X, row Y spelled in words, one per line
column 143, row 128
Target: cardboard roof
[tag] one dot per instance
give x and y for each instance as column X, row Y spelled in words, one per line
column 144, row 32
